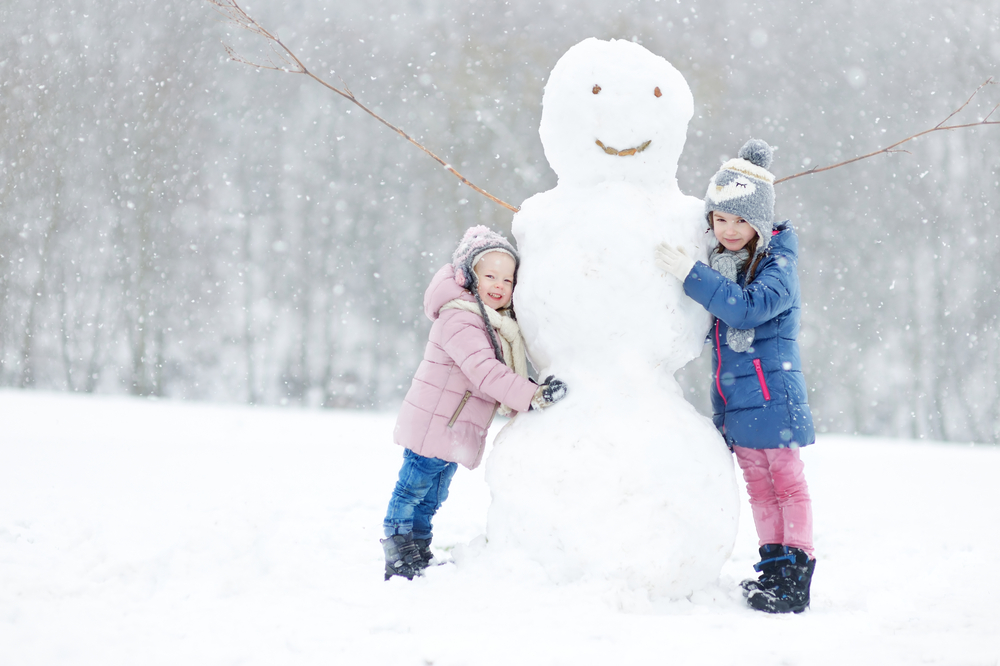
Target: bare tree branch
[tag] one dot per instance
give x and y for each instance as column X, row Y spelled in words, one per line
column 940, row 127
column 284, row 60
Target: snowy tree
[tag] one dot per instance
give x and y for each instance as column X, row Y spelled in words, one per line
column 176, row 224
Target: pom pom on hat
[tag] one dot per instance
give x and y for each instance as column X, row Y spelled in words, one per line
column 476, row 242
column 757, row 152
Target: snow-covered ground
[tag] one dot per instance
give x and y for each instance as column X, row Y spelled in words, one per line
column 144, row 532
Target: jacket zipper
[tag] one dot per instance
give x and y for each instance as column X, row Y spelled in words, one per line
column 461, row 406
column 718, row 367
column 760, row 376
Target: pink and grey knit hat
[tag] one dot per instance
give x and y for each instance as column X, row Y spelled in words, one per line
column 476, row 242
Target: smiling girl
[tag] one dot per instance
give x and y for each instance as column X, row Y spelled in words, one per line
column 759, row 393
column 474, row 365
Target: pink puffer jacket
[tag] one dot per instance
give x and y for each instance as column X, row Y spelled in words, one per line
column 457, row 386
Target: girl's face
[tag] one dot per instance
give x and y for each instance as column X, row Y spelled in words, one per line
column 496, row 279
column 732, row 231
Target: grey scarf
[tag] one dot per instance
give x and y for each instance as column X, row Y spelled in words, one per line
column 729, row 264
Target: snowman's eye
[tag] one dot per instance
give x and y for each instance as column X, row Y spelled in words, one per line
column 596, row 89
column 656, row 91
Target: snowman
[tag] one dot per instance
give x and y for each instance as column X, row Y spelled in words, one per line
column 623, row 480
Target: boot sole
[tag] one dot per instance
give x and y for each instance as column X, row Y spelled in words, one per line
column 390, row 572
column 784, row 609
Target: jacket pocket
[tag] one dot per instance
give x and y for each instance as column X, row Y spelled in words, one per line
column 458, row 410
column 760, row 377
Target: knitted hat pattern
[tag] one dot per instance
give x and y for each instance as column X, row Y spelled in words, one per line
column 477, row 242
column 745, row 187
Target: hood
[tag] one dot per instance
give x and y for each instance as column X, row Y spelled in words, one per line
column 443, row 289
column 785, row 240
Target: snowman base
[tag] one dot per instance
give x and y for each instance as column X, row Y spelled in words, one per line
column 602, row 493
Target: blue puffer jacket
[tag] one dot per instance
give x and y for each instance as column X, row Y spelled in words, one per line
column 759, row 399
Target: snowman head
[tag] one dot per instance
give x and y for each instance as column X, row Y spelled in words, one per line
column 613, row 111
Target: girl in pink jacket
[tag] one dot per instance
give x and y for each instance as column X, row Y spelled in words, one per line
column 474, row 364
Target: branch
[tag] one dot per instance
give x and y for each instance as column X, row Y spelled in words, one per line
column 940, row 127
column 284, row 60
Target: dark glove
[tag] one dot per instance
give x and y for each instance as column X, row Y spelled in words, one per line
column 550, row 391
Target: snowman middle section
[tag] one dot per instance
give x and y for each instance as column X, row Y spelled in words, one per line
column 623, row 479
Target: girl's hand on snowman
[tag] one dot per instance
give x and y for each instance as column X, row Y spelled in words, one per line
column 673, row 260
column 551, row 391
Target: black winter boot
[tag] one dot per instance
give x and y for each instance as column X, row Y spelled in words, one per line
column 402, row 557
column 767, row 568
column 424, row 546
column 789, row 589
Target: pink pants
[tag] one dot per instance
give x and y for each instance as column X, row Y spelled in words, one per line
column 779, row 496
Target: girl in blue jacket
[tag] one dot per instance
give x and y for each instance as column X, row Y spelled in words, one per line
column 759, row 393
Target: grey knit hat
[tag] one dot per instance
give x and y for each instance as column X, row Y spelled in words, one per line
column 745, row 187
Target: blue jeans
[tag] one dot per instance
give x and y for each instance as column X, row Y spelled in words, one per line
column 421, row 489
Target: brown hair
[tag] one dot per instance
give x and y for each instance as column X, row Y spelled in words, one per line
column 751, row 247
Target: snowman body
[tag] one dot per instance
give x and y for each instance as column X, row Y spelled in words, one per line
column 623, row 479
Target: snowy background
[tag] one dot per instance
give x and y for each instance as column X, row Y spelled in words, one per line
column 177, row 225
column 136, row 531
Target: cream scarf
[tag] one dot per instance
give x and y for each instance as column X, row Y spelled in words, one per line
column 511, row 340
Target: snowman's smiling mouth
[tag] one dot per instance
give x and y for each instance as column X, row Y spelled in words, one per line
column 624, row 153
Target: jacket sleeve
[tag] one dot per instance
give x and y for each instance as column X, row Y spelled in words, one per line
column 771, row 293
column 464, row 339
